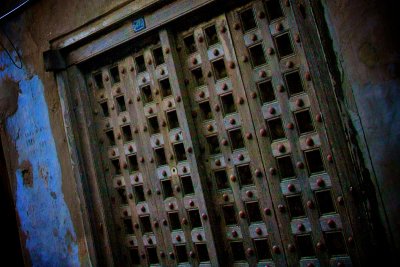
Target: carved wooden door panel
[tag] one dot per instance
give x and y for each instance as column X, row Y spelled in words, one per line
column 214, row 148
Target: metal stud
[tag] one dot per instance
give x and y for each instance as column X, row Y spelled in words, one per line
column 242, row 214
column 267, row 211
column 232, row 178
column 291, row 187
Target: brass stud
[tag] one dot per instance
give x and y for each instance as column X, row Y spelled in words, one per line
column 329, row 158
column 281, row 148
column 291, row 187
column 272, row 171
column 250, row 251
column 278, row 27
column 253, row 95
column 166, row 50
column 249, row 136
column 178, row 99
column 223, row 29
column 200, row 39
column 310, row 204
column 259, row 231
column 281, row 88
column 276, row 249
column 289, row 64
column 216, row 52
column 297, row 38
column 234, row 233
column 224, row 142
column 254, row 37
column 232, row 121
column 309, row 141
column 301, row 227
column 261, row 15
column 262, row 74
column 291, row 248
column 290, row 126
column 258, row 173
column 270, row 51
column 263, row 132
column 281, row 208
column 300, row 165
column 242, row 214
column 318, row 118
column 249, row 193
column 241, row 100
column 236, row 26
column 320, row 182
column 308, row 76
column 204, row 216
column 267, row 211
column 272, row 110
column 232, row 178
column 217, row 108
column 245, row 59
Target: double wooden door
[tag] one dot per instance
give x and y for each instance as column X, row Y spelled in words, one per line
column 215, row 150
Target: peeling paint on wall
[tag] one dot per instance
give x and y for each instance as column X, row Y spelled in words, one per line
column 43, row 213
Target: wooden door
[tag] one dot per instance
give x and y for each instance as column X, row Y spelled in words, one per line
column 215, row 148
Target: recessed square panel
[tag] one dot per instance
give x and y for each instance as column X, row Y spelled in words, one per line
column 127, row 133
column 245, row 175
column 146, row 94
column 190, row 44
column 304, row 121
column 236, row 139
column 98, row 79
column 211, row 35
column 152, row 255
column 139, row 193
column 228, row 104
column 140, row 65
column 294, row 83
column 266, row 91
column 305, row 246
column 174, row 222
column 172, row 119
column 229, row 215
column 285, row 166
column 194, row 217
column 263, row 251
column 187, row 185
column 314, row 161
column 248, row 21
column 121, row 107
column 115, row 75
column 221, row 179
column 165, row 87
column 219, row 69
column 253, row 212
column 117, row 167
column 158, row 56
column 160, row 156
column 275, row 128
column 122, row 195
column 198, row 77
column 128, row 226
column 324, row 202
column 238, row 251
column 181, row 254
column 202, row 252
column 283, row 45
column 110, row 137
column 180, row 152
column 145, row 224
column 104, row 108
column 213, row 145
column 135, row 257
column 257, row 55
column 154, row 127
column 295, row 206
column 133, row 164
column 274, row 9
column 206, row 110
column 167, row 188
column 335, row 243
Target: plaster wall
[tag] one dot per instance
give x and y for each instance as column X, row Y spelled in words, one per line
column 35, row 143
column 364, row 39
